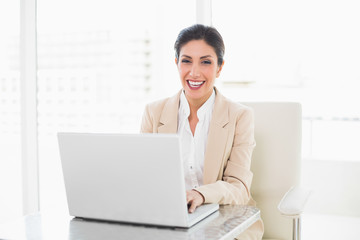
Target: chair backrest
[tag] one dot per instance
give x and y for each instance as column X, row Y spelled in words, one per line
column 276, row 161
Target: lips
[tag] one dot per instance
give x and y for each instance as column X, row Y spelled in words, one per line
column 195, row 84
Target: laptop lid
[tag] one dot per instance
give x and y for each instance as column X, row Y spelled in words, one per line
column 135, row 178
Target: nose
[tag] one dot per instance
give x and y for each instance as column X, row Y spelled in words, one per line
column 194, row 72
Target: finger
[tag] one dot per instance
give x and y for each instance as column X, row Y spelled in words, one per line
column 194, row 203
column 192, row 207
column 188, row 199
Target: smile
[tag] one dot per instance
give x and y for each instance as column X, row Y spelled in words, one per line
column 195, row 85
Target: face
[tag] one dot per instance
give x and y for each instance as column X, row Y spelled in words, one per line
column 198, row 68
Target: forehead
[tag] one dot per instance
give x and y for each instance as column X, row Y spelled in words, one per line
column 197, row 48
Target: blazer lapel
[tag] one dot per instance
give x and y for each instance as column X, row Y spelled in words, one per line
column 217, row 140
column 169, row 115
column 217, row 137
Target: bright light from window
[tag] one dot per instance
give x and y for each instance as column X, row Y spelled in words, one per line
column 10, row 148
column 100, row 62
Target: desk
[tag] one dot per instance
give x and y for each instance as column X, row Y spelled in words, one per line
column 226, row 223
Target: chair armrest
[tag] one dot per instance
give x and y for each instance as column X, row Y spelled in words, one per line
column 293, row 202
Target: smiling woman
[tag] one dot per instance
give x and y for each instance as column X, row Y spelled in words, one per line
column 199, row 53
column 216, row 134
column 198, row 69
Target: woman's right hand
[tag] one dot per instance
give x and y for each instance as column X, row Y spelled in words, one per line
column 194, row 199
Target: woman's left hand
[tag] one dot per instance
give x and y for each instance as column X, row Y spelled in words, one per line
column 194, row 199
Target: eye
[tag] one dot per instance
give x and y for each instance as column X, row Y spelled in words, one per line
column 206, row 62
column 185, row 61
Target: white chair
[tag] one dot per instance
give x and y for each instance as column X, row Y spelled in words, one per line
column 276, row 164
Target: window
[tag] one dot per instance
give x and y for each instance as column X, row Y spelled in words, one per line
column 98, row 66
column 304, row 51
column 10, row 144
column 99, row 62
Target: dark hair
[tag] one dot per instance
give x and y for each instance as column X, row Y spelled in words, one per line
column 200, row 32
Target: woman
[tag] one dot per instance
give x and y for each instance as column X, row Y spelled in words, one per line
column 216, row 134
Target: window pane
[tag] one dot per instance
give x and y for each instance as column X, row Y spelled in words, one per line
column 10, row 149
column 304, row 51
column 310, row 43
column 98, row 66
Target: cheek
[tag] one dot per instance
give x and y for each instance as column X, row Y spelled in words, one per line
column 211, row 73
column 181, row 73
column 182, row 70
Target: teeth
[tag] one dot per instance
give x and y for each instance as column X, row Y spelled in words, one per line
column 195, row 83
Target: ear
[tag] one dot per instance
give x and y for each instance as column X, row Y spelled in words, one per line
column 219, row 69
column 176, row 61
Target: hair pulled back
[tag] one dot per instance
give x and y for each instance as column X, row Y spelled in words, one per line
column 201, row 32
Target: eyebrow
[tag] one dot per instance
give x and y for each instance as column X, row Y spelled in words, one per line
column 206, row 56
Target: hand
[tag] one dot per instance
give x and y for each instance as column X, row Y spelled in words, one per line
column 194, row 199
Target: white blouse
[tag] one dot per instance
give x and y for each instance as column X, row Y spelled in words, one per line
column 193, row 147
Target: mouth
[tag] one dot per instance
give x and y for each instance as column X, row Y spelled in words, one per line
column 195, row 84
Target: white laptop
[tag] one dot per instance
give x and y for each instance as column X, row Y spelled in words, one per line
column 134, row 178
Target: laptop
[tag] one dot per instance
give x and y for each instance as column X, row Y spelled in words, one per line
column 132, row 178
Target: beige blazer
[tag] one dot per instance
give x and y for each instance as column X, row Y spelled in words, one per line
column 227, row 176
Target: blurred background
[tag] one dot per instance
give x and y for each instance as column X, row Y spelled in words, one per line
column 97, row 63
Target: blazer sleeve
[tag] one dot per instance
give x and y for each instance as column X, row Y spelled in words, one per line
column 147, row 121
column 151, row 116
column 233, row 187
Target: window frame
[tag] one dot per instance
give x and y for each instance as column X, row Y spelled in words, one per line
column 28, row 112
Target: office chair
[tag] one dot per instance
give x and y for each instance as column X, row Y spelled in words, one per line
column 276, row 164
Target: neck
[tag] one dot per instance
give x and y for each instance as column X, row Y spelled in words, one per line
column 195, row 104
